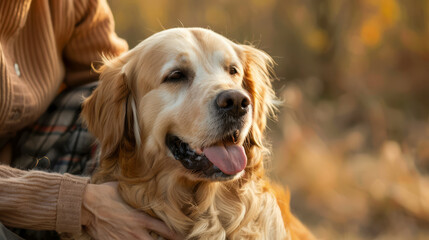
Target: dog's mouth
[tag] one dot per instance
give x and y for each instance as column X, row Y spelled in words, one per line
column 220, row 161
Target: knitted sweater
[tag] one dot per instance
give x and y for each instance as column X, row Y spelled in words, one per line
column 40, row 200
column 44, row 43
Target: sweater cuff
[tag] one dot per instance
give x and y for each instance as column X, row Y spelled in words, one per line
column 70, row 203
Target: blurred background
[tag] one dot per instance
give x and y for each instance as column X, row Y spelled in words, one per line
column 352, row 137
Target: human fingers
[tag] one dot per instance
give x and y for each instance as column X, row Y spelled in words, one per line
column 157, row 226
column 141, row 235
column 144, row 221
column 103, row 232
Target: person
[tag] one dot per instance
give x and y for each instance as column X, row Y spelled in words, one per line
column 46, row 52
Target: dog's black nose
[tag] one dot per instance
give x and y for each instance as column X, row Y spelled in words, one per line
column 233, row 102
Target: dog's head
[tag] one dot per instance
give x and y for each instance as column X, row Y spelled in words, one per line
column 185, row 101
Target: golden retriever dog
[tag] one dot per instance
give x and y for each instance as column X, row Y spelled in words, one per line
column 180, row 119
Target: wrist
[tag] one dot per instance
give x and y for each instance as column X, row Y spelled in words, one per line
column 86, row 214
column 69, row 203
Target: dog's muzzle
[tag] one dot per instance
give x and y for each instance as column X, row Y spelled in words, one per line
column 197, row 163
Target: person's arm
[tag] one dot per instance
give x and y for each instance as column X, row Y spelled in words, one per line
column 50, row 201
column 41, row 201
column 92, row 37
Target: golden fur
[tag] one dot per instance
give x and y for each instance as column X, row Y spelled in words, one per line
column 246, row 207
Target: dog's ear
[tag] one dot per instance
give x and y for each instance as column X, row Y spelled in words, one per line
column 257, row 81
column 105, row 111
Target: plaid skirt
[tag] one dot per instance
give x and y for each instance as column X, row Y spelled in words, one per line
column 57, row 142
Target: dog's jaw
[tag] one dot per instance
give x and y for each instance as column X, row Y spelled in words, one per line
column 197, row 163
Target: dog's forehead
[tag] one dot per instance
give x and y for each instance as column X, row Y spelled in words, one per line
column 196, row 50
column 195, row 44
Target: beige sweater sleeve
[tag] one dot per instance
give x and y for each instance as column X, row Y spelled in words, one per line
column 41, row 201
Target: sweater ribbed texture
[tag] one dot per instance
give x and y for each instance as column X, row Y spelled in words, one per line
column 40, row 200
column 43, row 44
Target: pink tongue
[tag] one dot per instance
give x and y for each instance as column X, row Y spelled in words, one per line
column 230, row 159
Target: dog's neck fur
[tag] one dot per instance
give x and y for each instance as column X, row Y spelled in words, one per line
column 203, row 210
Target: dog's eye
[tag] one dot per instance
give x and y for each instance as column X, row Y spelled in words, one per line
column 175, row 76
column 233, row 70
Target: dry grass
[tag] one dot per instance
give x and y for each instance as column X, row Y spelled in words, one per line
column 342, row 186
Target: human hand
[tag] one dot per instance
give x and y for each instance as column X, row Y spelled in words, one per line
column 106, row 216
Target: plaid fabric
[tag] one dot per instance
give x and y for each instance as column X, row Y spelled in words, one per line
column 57, row 141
